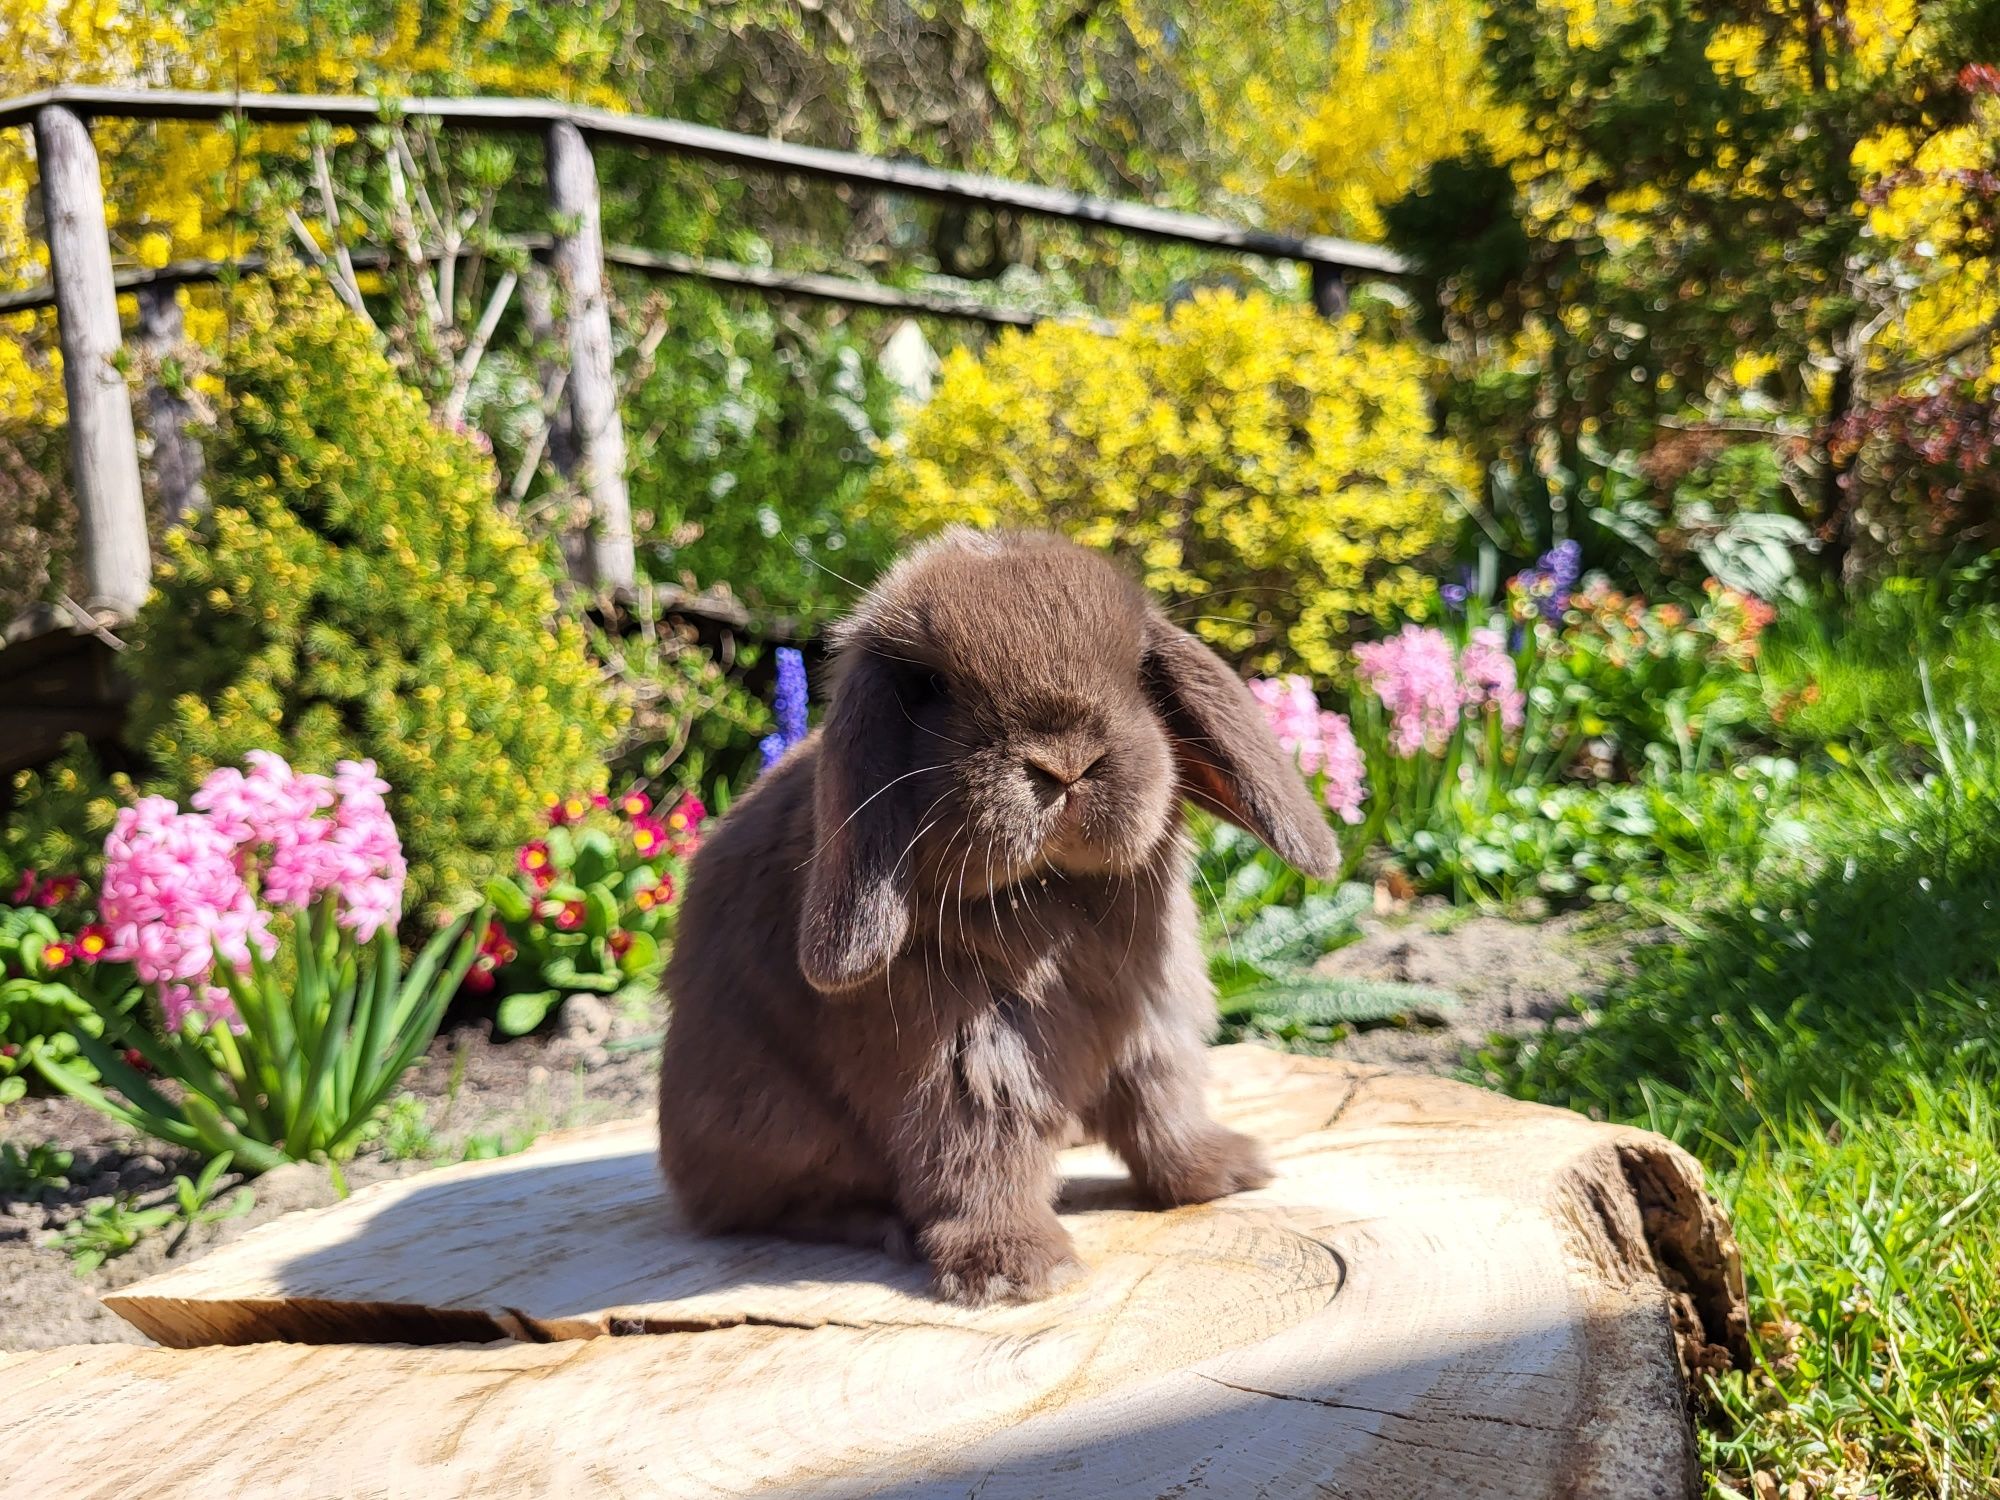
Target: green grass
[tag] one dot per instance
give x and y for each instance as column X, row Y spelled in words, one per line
column 1844, row 673
column 1871, row 1241
column 1821, row 1031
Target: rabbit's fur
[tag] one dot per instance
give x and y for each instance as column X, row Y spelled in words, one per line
column 912, row 958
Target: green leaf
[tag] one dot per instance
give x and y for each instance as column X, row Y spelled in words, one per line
column 1306, row 999
column 67, row 1077
column 642, row 955
column 1299, row 934
column 509, row 900
column 600, row 911
column 520, row 1014
column 564, row 974
column 596, row 859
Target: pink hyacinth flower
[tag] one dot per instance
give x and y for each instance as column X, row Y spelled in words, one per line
column 1486, row 673
column 1322, row 742
column 1415, row 675
column 175, row 904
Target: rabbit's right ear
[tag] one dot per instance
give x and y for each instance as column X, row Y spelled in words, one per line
column 858, row 901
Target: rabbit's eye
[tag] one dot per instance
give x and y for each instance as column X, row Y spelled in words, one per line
column 935, row 686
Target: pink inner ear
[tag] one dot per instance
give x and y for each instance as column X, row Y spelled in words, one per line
column 1207, row 786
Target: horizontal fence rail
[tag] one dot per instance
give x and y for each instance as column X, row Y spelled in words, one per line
column 679, row 137
column 83, row 286
column 808, row 285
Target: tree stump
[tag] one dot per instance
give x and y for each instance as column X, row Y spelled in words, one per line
column 1444, row 1293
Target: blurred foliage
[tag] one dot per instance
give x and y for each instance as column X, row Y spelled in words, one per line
column 1273, row 474
column 1864, row 672
column 753, row 433
column 58, row 816
column 1405, row 92
column 1756, row 218
column 355, row 593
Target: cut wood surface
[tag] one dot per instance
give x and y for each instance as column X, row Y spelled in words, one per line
column 1444, row 1293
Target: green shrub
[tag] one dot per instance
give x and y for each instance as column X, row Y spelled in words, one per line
column 1273, row 472
column 761, row 431
column 355, row 592
column 57, row 817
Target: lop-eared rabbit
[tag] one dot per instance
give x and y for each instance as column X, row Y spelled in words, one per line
column 955, row 923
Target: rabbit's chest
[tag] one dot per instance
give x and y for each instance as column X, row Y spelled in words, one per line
column 1073, row 978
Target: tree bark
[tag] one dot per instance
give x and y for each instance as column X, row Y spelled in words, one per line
column 178, row 466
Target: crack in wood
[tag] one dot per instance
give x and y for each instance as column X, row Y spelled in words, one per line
column 1381, row 1411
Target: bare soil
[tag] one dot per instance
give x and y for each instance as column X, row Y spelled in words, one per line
column 481, row 1097
column 1510, row 977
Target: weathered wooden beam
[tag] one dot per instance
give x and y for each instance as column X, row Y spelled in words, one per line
column 113, row 555
column 577, row 260
column 814, row 286
column 174, row 273
column 755, row 153
column 178, row 466
column 810, row 285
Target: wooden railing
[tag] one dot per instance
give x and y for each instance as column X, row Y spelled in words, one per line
column 83, row 287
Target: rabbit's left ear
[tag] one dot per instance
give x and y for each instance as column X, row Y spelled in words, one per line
column 1229, row 761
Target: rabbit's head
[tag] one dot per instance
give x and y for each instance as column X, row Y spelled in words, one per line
column 1007, row 705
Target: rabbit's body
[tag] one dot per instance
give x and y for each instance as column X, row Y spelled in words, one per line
column 956, row 923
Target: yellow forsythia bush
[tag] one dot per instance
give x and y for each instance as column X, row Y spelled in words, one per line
column 1274, row 473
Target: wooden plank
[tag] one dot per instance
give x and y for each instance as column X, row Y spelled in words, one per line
column 1444, row 1293
column 754, row 153
column 113, row 554
column 577, row 260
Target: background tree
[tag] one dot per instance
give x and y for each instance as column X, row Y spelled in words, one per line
column 1689, row 232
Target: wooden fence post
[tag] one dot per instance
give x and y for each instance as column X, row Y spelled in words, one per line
column 578, row 263
column 112, row 550
column 177, row 460
column 1329, row 289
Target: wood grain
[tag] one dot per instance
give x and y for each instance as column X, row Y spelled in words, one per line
column 1443, row 1293
column 113, row 555
column 577, row 259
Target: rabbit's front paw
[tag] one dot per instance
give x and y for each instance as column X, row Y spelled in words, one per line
column 1213, row 1165
column 976, row 1264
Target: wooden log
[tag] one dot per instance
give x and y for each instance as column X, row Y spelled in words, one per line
column 1444, row 1293
column 578, row 262
column 113, row 554
column 178, row 466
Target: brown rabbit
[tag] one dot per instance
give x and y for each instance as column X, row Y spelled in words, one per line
column 955, row 922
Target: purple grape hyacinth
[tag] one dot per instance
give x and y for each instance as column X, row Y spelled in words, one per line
column 1552, row 579
column 788, row 707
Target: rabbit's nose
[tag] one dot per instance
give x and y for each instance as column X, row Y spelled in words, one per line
column 1060, row 767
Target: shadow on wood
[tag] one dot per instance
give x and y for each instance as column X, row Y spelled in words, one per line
column 1443, row 1293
